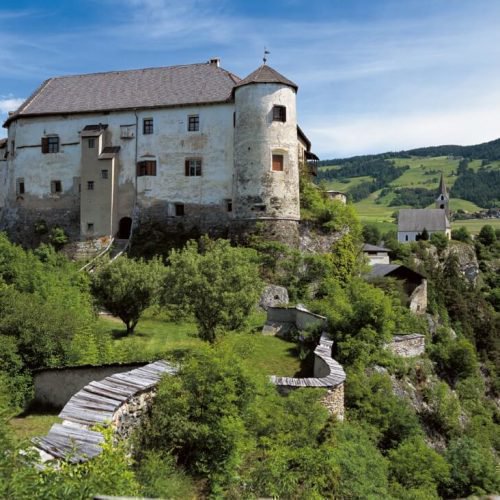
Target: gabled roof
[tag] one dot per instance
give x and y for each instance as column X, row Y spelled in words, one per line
column 393, row 270
column 133, row 89
column 374, row 248
column 266, row 74
column 418, row 219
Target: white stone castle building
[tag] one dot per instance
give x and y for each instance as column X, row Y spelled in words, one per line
column 184, row 146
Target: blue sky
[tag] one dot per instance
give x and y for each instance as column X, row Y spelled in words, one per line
column 373, row 75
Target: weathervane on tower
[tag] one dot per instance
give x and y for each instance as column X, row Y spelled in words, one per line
column 266, row 52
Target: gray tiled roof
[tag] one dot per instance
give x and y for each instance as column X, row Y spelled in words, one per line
column 266, row 74
column 416, row 219
column 374, row 248
column 144, row 88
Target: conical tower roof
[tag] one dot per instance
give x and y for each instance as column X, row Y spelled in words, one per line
column 266, row 74
column 442, row 187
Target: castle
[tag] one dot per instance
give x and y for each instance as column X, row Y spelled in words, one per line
column 185, row 147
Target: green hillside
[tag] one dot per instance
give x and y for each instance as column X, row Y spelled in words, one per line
column 378, row 192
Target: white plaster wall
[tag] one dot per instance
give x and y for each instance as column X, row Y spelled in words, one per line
column 412, row 235
column 256, row 137
column 170, row 144
column 381, row 258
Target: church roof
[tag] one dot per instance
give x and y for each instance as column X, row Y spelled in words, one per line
column 191, row 84
column 418, row 219
column 442, row 187
column 266, row 74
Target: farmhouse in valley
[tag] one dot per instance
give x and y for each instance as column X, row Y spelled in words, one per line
column 184, row 147
column 413, row 222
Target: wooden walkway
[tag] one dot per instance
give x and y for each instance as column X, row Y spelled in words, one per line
column 96, row 404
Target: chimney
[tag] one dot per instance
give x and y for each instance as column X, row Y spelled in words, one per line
column 215, row 61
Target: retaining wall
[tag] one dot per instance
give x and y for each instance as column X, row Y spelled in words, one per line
column 54, row 387
column 407, row 346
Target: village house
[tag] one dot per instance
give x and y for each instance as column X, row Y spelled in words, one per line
column 412, row 222
column 182, row 146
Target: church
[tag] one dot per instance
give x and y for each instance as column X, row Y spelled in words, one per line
column 191, row 146
column 412, row 222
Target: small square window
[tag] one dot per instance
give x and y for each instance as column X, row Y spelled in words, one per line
column 147, row 126
column 279, row 113
column 278, row 163
column 179, row 209
column 90, row 226
column 193, row 123
column 55, row 187
column 193, row 167
column 91, row 143
column 90, row 185
column 229, row 205
column 104, row 174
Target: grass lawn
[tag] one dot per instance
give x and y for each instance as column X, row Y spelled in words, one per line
column 426, row 172
column 475, row 225
column 33, row 424
column 345, row 186
column 157, row 336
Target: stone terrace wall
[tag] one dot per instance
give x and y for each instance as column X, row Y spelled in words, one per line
column 328, row 374
column 54, row 387
column 407, row 346
column 119, row 401
column 298, row 316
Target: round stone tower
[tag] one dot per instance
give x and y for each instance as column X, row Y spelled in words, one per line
column 266, row 170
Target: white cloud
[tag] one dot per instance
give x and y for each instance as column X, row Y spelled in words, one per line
column 9, row 103
column 377, row 134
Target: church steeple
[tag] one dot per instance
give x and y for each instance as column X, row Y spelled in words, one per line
column 443, row 200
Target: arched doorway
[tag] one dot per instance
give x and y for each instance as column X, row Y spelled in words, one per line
column 124, row 227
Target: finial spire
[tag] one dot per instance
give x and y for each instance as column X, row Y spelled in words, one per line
column 266, row 52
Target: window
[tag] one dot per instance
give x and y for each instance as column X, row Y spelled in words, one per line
column 147, row 126
column 193, row 167
column 147, row 167
column 229, row 205
column 50, row 144
column 406, row 237
column 12, row 148
column 259, row 207
column 104, row 174
column 193, row 123
column 277, row 163
column 55, row 187
column 20, row 185
column 91, row 143
column 279, row 114
column 90, row 226
column 90, row 185
column 234, row 119
column 179, row 209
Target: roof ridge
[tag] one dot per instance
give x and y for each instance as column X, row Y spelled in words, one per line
column 135, row 70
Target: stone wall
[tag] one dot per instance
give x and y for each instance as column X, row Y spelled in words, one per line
column 328, row 374
column 407, row 346
column 298, row 316
column 54, row 387
column 118, row 401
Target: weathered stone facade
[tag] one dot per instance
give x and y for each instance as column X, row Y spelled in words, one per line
column 208, row 153
column 407, row 346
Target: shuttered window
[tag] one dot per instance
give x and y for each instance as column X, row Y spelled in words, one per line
column 50, row 144
column 147, row 167
column 278, row 163
column 192, row 167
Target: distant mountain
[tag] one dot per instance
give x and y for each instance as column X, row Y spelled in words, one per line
column 485, row 151
column 410, row 178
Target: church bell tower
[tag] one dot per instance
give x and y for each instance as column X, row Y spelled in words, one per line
column 443, row 200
